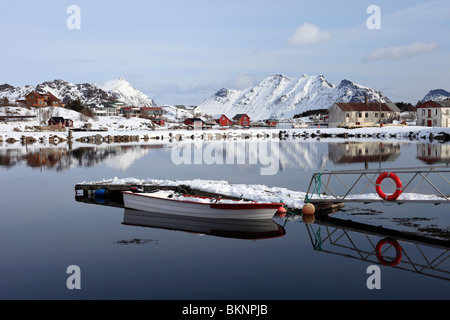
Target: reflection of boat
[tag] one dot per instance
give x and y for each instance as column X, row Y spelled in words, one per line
column 170, row 202
column 229, row 228
column 299, row 125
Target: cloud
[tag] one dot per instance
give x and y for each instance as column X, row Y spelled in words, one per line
column 242, row 81
column 308, row 34
column 402, row 52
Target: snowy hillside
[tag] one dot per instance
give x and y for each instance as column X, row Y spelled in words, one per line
column 279, row 96
column 124, row 92
column 436, row 95
column 114, row 90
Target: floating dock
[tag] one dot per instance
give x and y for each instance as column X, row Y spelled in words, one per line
column 364, row 186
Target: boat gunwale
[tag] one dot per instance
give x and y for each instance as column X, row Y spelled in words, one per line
column 226, row 206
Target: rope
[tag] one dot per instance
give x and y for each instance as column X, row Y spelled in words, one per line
column 317, row 186
column 317, row 238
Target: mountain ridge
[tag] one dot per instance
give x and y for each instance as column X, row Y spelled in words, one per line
column 280, row 96
column 114, row 90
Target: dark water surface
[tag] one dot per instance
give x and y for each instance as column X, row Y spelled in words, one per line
column 43, row 230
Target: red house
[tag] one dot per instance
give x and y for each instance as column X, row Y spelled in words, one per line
column 224, row 121
column 271, row 122
column 242, row 119
column 60, row 121
column 158, row 121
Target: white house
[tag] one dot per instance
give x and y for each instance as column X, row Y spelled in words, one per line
column 434, row 114
column 361, row 113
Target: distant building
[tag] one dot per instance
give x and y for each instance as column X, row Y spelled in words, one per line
column 361, row 113
column 195, row 122
column 36, row 99
column 434, row 114
column 271, row 122
column 103, row 109
column 224, row 121
column 142, row 112
column 242, row 120
column 60, row 121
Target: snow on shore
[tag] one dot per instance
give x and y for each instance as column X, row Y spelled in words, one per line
column 143, row 127
column 256, row 192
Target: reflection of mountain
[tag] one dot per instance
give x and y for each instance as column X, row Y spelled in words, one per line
column 352, row 152
column 433, row 153
column 62, row 158
column 290, row 154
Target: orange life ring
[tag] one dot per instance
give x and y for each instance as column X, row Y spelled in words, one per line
column 398, row 185
column 398, row 250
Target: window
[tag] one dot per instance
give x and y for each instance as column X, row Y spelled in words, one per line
column 376, row 114
column 382, row 115
column 347, row 115
column 423, row 112
column 360, row 115
column 367, row 114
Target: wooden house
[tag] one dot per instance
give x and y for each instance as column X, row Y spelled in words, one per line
column 36, row 99
column 271, row 122
column 158, row 121
column 195, row 122
column 224, row 121
column 60, row 121
column 242, row 120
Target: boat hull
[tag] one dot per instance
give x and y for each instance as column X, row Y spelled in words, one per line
column 237, row 210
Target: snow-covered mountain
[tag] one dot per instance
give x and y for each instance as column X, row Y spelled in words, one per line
column 115, row 90
column 436, row 95
column 279, row 96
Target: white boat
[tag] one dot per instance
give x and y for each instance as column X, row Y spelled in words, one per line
column 170, row 202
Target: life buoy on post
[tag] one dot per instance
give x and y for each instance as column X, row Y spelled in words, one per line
column 398, row 186
column 398, row 250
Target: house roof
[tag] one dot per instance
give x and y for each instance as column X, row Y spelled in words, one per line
column 51, row 96
column 238, row 116
column 194, row 119
column 361, row 106
column 57, row 119
column 34, row 93
column 436, row 104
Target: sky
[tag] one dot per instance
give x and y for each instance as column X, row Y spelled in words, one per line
column 182, row 52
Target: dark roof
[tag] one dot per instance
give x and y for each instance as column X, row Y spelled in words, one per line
column 57, row 119
column 194, row 119
column 238, row 116
column 361, row 106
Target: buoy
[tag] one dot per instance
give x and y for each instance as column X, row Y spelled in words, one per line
column 308, row 208
column 308, row 218
column 281, row 212
column 398, row 186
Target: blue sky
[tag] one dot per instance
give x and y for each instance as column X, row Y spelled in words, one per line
column 181, row 52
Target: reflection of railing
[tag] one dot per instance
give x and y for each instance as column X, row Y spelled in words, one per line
column 353, row 185
column 359, row 241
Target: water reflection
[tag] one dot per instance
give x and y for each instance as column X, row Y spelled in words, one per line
column 292, row 154
column 403, row 250
column 432, row 153
column 228, row 228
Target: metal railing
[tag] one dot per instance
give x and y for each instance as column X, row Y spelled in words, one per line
column 419, row 184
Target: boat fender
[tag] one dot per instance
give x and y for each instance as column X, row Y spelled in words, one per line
column 398, row 186
column 398, row 250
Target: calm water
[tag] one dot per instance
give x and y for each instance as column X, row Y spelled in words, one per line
column 44, row 230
